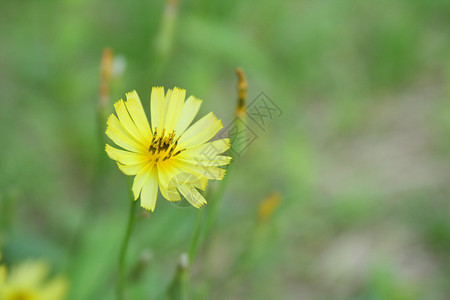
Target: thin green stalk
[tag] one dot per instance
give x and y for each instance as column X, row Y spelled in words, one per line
column 123, row 250
column 195, row 236
column 214, row 201
column 179, row 288
column 164, row 39
column 99, row 168
column 237, row 147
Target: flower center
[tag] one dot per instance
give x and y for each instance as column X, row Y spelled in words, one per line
column 164, row 146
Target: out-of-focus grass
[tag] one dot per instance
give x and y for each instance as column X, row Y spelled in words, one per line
column 360, row 153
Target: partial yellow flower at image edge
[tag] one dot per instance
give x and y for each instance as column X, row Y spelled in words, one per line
column 28, row 281
column 168, row 154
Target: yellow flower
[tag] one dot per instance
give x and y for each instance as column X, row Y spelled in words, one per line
column 169, row 154
column 27, row 282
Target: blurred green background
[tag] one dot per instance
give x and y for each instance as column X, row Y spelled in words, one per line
column 360, row 154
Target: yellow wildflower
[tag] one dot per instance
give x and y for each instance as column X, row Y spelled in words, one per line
column 27, row 281
column 168, row 154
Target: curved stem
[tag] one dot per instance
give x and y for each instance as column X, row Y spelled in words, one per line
column 123, row 250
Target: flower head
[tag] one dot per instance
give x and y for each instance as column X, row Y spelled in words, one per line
column 168, row 154
column 27, row 281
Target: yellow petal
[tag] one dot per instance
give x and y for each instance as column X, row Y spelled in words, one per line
column 166, row 104
column 192, row 195
column 194, row 179
column 201, row 131
column 206, row 171
column 165, row 173
column 131, row 169
column 140, row 179
column 157, row 107
column 174, row 108
column 121, row 137
column 150, row 191
column 209, row 149
column 128, row 124
column 190, row 110
column 205, row 161
column 125, row 157
column 137, row 113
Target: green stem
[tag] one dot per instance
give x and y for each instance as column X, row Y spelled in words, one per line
column 179, row 288
column 213, row 207
column 164, row 38
column 195, row 236
column 123, row 250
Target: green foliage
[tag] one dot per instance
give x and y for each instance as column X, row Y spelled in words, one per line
column 361, row 147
